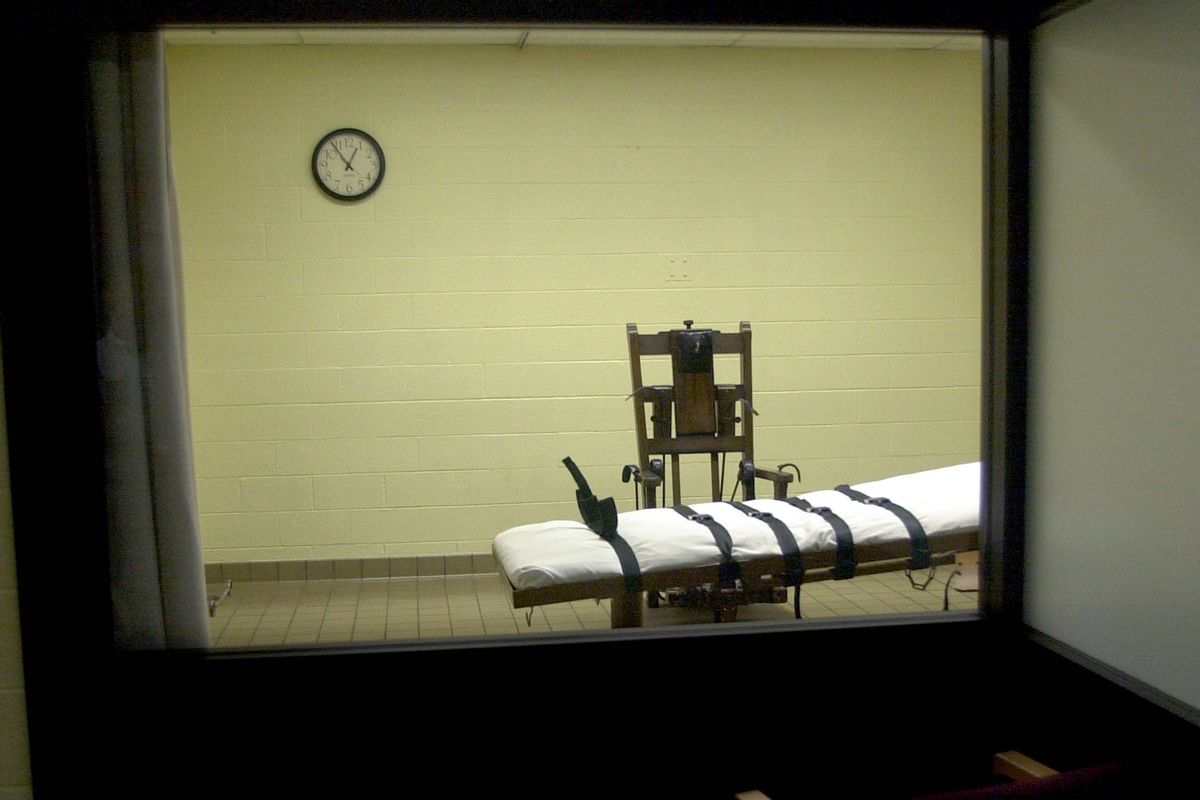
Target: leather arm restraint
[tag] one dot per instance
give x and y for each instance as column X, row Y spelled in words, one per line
column 845, row 563
column 729, row 570
column 601, row 517
column 921, row 556
column 793, row 562
column 794, row 574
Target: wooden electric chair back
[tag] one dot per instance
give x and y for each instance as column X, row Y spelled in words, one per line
column 694, row 414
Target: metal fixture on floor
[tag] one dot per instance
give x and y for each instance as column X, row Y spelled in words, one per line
column 214, row 600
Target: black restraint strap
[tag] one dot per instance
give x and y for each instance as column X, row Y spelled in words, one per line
column 730, row 570
column 794, row 564
column 845, row 564
column 921, row 556
column 630, row 568
column 601, row 518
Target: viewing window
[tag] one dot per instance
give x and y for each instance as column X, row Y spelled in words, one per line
column 381, row 385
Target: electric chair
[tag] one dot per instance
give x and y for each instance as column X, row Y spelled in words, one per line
column 697, row 415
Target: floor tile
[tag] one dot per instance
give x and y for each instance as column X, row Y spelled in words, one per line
column 324, row 610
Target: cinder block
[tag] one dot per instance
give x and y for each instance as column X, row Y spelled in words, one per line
column 557, row 379
column 303, row 240
column 375, row 384
column 445, row 382
column 312, row 457
column 250, row 204
column 934, row 370
column 546, row 344
column 934, row 438
column 339, row 276
column 374, row 240
column 220, row 241
column 404, row 348
column 446, row 487
column 348, row 491
column 234, row 459
column 967, row 369
column 342, row 349
column 218, row 494
column 895, row 336
column 245, row 351
column 237, row 530
column 264, row 387
column 291, row 313
column 313, row 528
column 383, row 454
column 805, row 408
column 383, row 312
column 351, row 420
column 243, row 278
column 277, row 493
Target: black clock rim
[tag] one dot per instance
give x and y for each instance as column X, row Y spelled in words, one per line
column 374, row 143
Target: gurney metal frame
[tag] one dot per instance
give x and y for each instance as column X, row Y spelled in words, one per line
column 627, row 606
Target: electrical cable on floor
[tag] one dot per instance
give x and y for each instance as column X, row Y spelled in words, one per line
column 946, row 594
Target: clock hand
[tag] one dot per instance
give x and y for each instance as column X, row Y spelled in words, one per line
column 339, row 154
column 352, row 155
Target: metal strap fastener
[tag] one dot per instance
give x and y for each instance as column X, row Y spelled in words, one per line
column 922, row 557
column 729, row 570
column 845, row 563
column 784, row 536
column 793, row 562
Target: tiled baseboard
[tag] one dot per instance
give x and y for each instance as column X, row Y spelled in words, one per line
column 351, row 568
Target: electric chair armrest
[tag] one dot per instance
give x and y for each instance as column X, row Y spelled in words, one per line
column 780, row 480
column 648, row 479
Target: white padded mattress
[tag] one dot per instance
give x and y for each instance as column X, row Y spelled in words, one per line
column 558, row 552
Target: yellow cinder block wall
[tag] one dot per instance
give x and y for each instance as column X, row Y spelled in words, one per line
column 404, row 374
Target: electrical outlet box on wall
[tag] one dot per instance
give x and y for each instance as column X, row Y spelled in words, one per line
column 678, row 270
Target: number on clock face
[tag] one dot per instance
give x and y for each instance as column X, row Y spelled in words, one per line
column 348, row 164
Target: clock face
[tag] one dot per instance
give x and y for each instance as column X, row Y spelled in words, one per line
column 348, row 164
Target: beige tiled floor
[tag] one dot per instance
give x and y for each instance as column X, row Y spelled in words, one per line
column 374, row 609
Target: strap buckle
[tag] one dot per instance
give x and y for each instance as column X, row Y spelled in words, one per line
column 822, row 510
column 877, row 501
column 920, row 587
column 703, row 519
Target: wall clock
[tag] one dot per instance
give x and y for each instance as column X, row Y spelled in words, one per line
column 348, row 164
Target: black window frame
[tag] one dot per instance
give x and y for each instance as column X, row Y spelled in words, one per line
column 53, row 408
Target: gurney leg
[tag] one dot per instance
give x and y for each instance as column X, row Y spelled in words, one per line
column 627, row 609
column 723, row 613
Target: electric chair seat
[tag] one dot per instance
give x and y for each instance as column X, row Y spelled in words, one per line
column 697, row 415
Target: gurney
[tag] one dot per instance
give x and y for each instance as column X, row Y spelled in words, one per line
column 827, row 534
